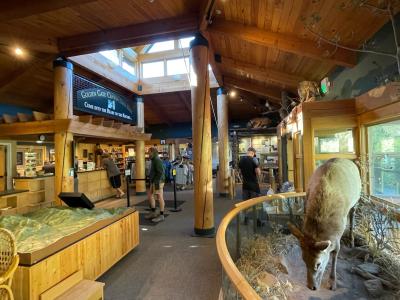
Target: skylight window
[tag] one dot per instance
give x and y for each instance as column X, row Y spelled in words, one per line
column 111, row 55
column 162, row 46
column 177, row 66
column 153, row 69
column 185, row 43
column 128, row 67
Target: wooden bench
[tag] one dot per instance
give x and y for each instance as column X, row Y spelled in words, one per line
column 75, row 287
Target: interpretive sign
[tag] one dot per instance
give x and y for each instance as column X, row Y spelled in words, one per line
column 96, row 100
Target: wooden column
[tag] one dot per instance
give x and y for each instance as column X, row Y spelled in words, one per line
column 177, row 152
column 201, row 124
column 223, row 142
column 63, row 109
column 171, row 152
column 140, row 164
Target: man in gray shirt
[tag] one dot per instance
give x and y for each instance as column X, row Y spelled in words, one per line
column 113, row 174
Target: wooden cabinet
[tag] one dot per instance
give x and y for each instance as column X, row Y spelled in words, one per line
column 315, row 132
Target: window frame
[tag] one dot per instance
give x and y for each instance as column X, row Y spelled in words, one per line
column 367, row 177
column 142, row 63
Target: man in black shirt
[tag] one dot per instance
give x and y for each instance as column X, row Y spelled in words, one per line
column 249, row 167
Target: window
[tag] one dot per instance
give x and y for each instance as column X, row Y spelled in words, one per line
column 128, row 67
column 111, row 55
column 162, row 46
column 177, row 66
column 384, row 160
column 153, row 69
column 185, row 43
column 327, row 141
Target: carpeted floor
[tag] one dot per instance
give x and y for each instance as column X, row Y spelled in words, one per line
column 169, row 263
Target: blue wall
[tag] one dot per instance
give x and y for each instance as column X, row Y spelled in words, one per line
column 371, row 70
column 13, row 110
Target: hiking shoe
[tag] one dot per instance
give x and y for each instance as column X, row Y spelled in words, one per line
column 151, row 215
column 160, row 218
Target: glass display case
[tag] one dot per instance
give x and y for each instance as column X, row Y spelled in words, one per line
column 313, row 133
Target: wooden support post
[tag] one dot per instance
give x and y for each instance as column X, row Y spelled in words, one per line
column 171, row 151
column 140, row 165
column 63, row 109
column 177, row 151
column 223, row 142
column 201, row 124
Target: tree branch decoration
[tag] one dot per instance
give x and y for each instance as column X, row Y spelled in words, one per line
column 384, row 7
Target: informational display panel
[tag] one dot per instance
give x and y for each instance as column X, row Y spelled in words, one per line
column 94, row 99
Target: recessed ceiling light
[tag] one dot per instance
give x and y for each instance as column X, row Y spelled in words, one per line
column 232, row 94
column 18, row 51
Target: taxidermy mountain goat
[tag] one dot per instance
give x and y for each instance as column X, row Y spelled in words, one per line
column 333, row 191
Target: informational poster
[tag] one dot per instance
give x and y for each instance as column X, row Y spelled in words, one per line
column 94, row 99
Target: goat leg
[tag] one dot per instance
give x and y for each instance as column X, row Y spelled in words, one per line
column 352, row 219
column 334, row 254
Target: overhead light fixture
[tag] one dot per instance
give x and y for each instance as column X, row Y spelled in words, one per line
column 232, row 94
column 18, row 51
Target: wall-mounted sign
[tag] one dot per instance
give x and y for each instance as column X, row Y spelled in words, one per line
column 96, row 100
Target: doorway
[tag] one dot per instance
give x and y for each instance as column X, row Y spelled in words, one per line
column 5, row 167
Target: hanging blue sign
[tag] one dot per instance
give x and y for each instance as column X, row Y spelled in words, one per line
column 102, row 102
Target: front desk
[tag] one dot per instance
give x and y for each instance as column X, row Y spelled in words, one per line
column 95, row 185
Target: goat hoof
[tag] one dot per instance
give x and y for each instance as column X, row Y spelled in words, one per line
column 333, row 287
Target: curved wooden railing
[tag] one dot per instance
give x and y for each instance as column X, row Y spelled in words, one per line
column 237, row 279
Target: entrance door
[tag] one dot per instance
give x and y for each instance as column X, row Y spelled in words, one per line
column 3, row 172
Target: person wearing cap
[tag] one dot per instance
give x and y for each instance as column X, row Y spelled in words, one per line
column 157, row 179
column 250, row 169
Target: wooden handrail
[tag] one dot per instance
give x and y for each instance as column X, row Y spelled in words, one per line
column 229, row 266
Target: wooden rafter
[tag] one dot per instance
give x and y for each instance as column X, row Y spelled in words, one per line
column 206, row 11
column 274, row 94
column 211, row 59
column 24, row 72
column 185, row 102
column 159, row 112
column 129, row 36
column 17, row 9
column 278, row 77
column 284, row 42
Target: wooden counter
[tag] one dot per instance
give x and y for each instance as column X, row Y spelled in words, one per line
column 40, row 188
column 96, row 185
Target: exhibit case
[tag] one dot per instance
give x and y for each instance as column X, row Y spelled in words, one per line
column 313, row 133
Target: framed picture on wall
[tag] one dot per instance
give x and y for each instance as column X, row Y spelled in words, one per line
column 85, row 153
column 20, row 158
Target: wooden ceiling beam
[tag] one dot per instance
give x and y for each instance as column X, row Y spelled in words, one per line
column 185, row 102
column 160, row 113
column 207, row 8
column 284, row 42
column 129, row 36
column 273, row 94
column 25, row 71
column 211, row 60
column 17, row 9
column 280, row 78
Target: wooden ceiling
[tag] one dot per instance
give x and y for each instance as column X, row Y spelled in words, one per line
column 262, row 46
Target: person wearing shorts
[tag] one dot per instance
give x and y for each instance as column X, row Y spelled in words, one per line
column 113, row 174
column 157, row 179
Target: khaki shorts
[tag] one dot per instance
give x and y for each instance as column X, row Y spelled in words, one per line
column 159, row 191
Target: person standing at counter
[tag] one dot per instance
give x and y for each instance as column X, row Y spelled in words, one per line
column 157, row 178
column 113, row 174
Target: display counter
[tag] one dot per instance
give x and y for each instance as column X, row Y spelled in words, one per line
column 40, row 188
column 92, row 246
column 95, row 185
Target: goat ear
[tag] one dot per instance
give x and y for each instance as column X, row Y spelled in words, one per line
column 321, row 246
column 295, row 231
